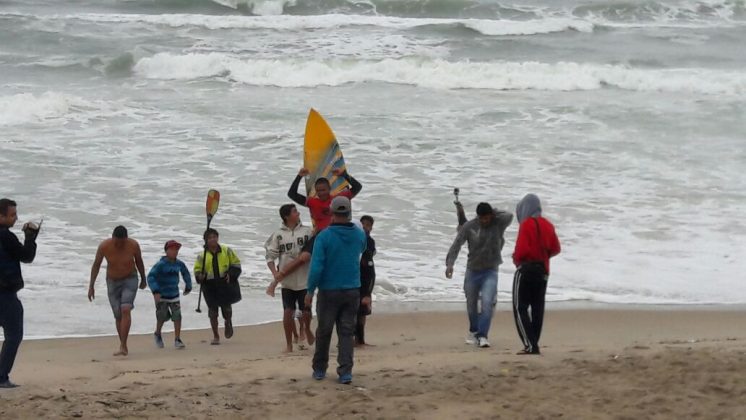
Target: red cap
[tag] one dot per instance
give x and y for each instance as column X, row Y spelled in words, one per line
column 170, row 244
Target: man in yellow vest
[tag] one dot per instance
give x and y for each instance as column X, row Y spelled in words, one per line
column 217, row 270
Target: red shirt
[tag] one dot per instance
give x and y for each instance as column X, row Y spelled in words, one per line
column 537, row 242
column 321, row 214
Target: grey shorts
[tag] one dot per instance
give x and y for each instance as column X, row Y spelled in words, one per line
column 122, row 294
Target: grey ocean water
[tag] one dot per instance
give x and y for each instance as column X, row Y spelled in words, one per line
column 626, row 117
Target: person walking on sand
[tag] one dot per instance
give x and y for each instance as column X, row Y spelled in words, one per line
column 484, row 235
column 319, row 205
column 335, row 271
column 537, row 242
column 367, row 281
column 163, row 280
column 124, row 261
column 303, row 260
column 217, row 270
column 12, row 254
column 284, row 246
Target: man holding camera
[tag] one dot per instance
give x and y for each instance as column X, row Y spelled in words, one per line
column 12, row 254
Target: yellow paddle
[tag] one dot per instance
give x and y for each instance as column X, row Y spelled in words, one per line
column 211, row 207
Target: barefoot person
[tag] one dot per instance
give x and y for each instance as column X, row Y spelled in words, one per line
column 12, row 254
column 284, row 246
column 537, row 242
column 218, row 274
column 484, row 235
column 163, row 280
column 123, row 262
column 367, row 281
column 303, row 260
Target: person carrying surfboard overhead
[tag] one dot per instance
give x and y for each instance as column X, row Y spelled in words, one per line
column 319, row 205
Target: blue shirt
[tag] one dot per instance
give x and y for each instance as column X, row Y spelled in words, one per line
column 163, row 278
column 335, row 261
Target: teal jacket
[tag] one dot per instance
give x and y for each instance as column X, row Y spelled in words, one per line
column 163, row 278
column 335, row 260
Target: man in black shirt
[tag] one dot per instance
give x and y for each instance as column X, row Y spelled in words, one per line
column 367, row 281
column 12, row 253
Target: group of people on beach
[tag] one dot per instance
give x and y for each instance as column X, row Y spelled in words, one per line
column 334, row 257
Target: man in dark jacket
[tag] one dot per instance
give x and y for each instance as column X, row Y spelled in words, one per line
column 367, row 280
column 12, row 253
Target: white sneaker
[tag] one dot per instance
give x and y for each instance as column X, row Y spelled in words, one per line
column 471, row 338
column 483, row 343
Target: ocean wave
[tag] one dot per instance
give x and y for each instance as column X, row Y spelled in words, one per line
column 618, row 11
column 627, row 11
column 440, row 74
column 26, row 107
column 662, row 12
column 56, row 107
column 296, row 23
column 259, row 7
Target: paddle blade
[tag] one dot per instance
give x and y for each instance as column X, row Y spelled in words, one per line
column 213, row 201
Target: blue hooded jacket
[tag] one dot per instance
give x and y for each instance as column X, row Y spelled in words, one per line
column 163, row 278
column 335, row 261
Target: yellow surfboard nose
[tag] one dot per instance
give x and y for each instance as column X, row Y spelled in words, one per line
column 322, row 154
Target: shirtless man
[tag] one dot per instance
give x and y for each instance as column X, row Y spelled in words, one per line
column 122, row 257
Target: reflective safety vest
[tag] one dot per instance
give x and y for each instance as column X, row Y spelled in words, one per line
column 226, row 259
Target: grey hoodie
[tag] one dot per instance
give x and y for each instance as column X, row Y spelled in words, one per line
column 529, row 206
column 485, row 244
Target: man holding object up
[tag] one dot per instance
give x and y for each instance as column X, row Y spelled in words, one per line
column 12, row 253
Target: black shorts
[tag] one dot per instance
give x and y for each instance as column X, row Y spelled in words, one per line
column 218, row 293
column 290, row 297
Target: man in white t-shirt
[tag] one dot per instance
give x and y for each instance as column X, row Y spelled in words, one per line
column 282, row 248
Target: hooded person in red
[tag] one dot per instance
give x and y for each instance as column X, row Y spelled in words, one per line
column 537, row 242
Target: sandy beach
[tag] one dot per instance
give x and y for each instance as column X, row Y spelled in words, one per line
column 596, row 363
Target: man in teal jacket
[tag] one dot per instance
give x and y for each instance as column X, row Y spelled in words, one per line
column 335, row 271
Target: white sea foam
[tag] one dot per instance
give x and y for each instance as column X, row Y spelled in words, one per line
column 494, row 27
column 56, row 107
column 441, row 74
column 259, row 7
column 28, row 108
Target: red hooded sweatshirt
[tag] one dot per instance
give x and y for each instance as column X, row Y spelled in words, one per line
column 537, row 242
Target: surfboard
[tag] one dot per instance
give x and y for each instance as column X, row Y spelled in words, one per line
column 321, row 154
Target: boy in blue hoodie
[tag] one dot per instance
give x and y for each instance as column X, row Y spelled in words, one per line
column 163, row 280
